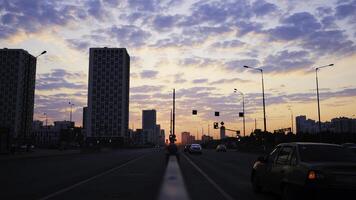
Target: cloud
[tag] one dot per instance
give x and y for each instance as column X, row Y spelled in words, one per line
column 60, row 79
column 146, row 88
column 330, row 42
column 228, row 44
column 261, row 8
column 178, row 78
column 347, row 10
column 165, row 22
column 201, row 80
column 286, row 61
column 237, row 65
column 79, row 44
column 306, row 28
column 143, row 5
column 126, row 35
column 231, row 80
column 32, row 16
column 149, row 74
column 295, row 26
column 197, row 61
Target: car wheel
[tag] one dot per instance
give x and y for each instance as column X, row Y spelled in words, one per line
column 288, row 193
column 256, row 187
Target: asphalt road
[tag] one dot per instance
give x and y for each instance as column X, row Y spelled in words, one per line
column 126, row 174
column 219, row 175
column 121, row 174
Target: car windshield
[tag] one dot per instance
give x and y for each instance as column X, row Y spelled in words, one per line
column 325, row 153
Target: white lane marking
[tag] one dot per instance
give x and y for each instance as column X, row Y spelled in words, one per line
column 89, row 179
column 213, row 183
column 173, row 187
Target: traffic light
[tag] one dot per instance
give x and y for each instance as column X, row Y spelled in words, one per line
column 216, row 125
column 194, row 112
column 241, row 114
column 217, row 114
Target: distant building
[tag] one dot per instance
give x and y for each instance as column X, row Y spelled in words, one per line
column 108, row 94
column 49, row 136
column 343, row 125
column 162, row 137
column 17, row 88
column 150, row 127
column 305, row 125
column 185, row 137
column 85, row 116
column 206, row 138
column 222, row 132
column 149, row 119
column 336, row 125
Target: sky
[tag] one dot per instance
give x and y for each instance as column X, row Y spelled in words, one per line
column 199, row 48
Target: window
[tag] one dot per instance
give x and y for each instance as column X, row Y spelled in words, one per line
column 273, row 154
column 284, row 156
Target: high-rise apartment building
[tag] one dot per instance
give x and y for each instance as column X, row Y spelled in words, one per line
column 108, row 93
column 17, row 89
column 149, row 119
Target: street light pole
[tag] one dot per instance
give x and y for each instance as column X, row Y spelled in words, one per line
column 70, row 114
column 243, row 109
column 291, row 117
column 317, row 93
column 263, row 97
column 45, row 114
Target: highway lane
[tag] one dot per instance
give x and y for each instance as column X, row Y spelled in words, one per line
column 230, row 172
column 36, row 178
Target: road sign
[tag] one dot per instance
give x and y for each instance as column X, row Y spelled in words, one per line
column 217, row 114
column 241, row 114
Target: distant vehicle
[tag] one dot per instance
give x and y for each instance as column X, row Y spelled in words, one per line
column 350, row 146
column 195, row 148
column 221, row 147
column 186, row 147
column 307, row 169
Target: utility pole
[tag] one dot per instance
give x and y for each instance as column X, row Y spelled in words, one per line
column 71, row 108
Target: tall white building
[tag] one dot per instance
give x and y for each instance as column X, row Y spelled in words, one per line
column 108, row 95
column 17, row 89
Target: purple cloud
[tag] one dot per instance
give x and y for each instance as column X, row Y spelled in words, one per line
column 201, row 80
column 149, row 74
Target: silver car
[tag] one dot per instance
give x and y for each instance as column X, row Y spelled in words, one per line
column 195, row 148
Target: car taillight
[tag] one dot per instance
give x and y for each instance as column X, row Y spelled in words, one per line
column 314, row 175
column 311, row 175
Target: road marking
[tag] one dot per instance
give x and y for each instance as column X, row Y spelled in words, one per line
column 213, row 183
column 90, row 179
column 173, row 187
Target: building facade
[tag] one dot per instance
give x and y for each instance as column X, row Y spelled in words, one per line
column 108, row 94
column 336, row 125
column 17, row 88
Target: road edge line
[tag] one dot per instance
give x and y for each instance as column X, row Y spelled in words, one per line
column 213, row 183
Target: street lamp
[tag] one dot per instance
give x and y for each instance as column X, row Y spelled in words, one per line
column 243, row 109
column 43, row 52
column 71, row 107
column 45, row 114
column 263, row 96
column 317, row 91
column 291, row 116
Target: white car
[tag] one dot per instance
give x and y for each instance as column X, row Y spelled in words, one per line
column 195, row 148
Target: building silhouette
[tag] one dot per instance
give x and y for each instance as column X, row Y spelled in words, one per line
column 336, row 125
column 149, row 119
column 17, row 86
column 108, row 94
